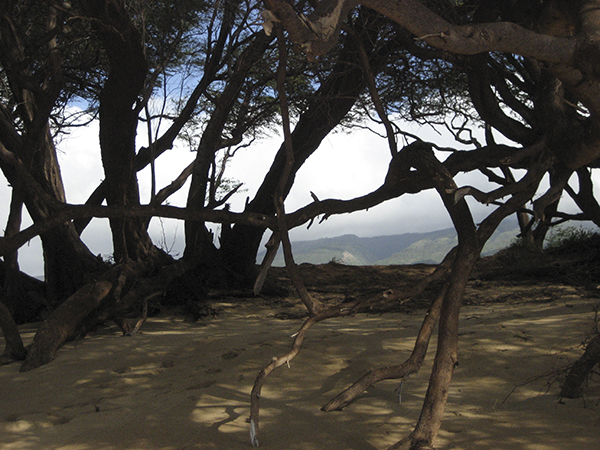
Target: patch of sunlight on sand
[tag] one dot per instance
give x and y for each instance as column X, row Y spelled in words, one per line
column 209, row 409
column 375, row 408
column 19, row 426
column 25, row 444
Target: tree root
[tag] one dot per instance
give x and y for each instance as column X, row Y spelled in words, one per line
column 65, row 321
column 573, row 385
column 14, row 349
column 264, row 373
column 410, row 366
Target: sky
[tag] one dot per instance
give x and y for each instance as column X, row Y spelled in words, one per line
column 344, row 167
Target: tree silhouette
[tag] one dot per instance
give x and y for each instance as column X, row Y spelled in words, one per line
column 523, row 71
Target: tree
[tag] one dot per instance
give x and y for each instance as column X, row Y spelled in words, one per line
column 522, row 70
column 113, row 57
column 552, row 49
column 325, row 109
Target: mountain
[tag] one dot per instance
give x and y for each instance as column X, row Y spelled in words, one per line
column 407, row 248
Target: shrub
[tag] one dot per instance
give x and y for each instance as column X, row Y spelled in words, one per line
column 574, row 240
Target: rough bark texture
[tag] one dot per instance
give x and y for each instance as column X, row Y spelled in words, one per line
column 63, row 323
column 579, row 373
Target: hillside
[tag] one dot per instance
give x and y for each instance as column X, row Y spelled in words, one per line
column 407, row 248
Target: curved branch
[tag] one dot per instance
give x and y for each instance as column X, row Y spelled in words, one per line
column 318, row 33
column 408, row 367
column 264, row 373
column 70, row 212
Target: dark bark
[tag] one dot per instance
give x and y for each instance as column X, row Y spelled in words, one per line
column 581, row 370
column 333, row 100
column 14, row 349
column 147, row 154
column 118, row 120
column 63, row 323
column 446, row 357
column 78, row 312
column 66, row 258
column 570, row 59
column 24, row 296
column 584, row 197
column 485, row 102
column 198, row 241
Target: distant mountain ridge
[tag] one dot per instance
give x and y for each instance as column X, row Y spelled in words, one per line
column 407, row 248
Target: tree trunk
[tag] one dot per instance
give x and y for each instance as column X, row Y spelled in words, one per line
column 585, row 196
column 118, row 121
column 63, row 323
column 420, row 156
column 446, row 358
column 334, row 99
column 14, row 349
column 579, row 373
column 198, row 241
column 66, row 258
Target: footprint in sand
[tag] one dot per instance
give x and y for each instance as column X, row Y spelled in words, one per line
column 202, row 385
column 59, row 420
column 232, row 353
column 122, row 369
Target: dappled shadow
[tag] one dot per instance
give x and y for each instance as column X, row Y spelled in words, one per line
column 180, row 385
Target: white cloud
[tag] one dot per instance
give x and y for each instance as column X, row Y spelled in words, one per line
column 346, row 166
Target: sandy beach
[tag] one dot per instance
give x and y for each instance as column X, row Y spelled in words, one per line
column 181, row 385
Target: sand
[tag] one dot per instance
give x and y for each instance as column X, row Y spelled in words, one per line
column 180, row 385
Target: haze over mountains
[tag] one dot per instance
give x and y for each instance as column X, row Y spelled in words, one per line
column 408, row 248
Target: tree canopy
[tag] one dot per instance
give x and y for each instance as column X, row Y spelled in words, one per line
column 215, row 76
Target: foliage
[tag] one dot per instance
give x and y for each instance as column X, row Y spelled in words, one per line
column 204, row 72
column 569, row 240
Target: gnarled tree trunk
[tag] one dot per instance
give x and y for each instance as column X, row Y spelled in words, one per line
column 333, row 100
column 118, row 113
